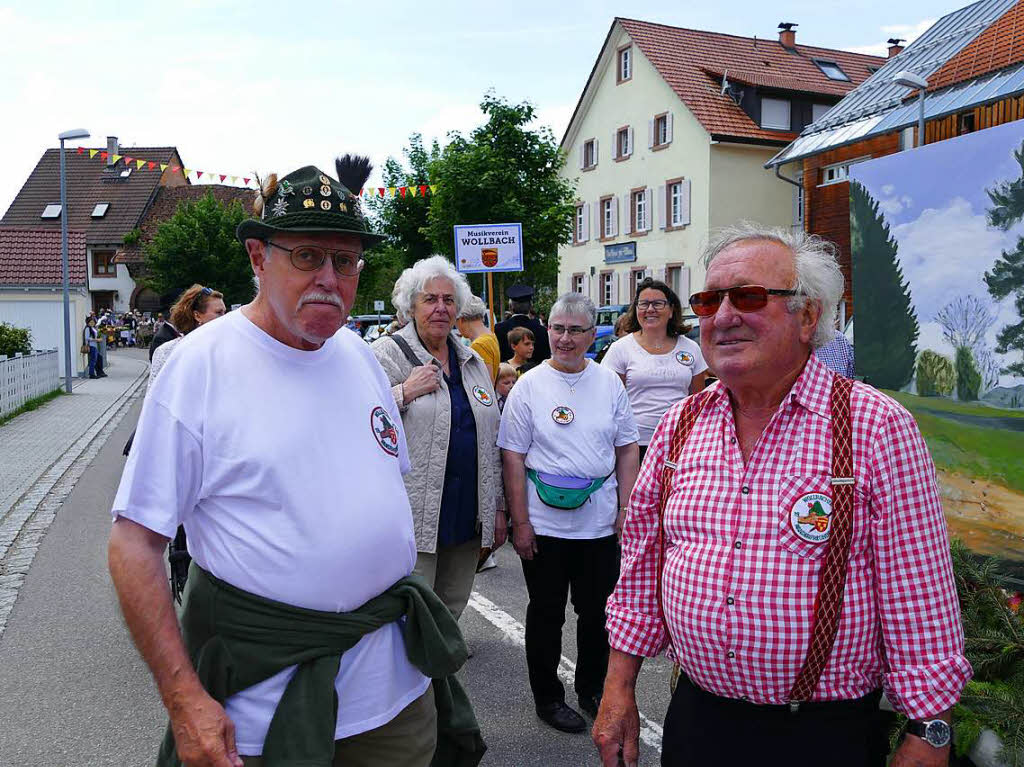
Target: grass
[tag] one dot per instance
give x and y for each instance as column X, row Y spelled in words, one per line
column 988, row 453
column 912, row 401
column 32, row 404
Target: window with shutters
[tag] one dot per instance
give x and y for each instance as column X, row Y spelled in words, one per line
column 606, row 287
column 661, row 137
column 623, row 143
column 589, row 154
column 608, row 217
column 577, row 282
column 580, row 234
column 775, row 114
column 637, row 275
column 677, row 204
column 625, row 69
column 641, row 215
column 678, row 278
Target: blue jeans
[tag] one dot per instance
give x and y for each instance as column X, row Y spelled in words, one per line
column 93, row 356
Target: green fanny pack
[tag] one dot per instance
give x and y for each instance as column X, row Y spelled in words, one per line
column 567, row 498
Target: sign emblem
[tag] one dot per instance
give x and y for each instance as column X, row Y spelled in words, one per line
column 482, row 396
column 325, row 191
column 562, row 415
column 489, row 256
column 324, row 180
column 325, row 204
column 307, row 190
column 684, row 358
column 308, row 203
column 384, row 430
column 811, row 517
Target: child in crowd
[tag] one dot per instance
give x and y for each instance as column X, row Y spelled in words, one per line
column 521, row 340
column 507, row 376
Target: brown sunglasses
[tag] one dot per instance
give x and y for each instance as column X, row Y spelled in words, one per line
column 746, row 298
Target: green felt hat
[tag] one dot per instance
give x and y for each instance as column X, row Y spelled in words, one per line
column 308, row 200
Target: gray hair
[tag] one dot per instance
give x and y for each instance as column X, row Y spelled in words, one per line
column 574, row 305
column 818, row 276
column 473, row 310
column 410, row 284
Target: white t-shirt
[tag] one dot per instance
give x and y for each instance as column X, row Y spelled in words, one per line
column 654, row 382
column 285, row 466
column 569, row 434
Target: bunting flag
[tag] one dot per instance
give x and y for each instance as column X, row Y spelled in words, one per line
column 92, row 153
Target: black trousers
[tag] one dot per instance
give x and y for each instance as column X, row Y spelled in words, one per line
column 704, row 729
column 587, row 570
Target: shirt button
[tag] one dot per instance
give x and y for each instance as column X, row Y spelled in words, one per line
column 738, row 544
column 730, row 601
column 730, row 654
column 745, row 490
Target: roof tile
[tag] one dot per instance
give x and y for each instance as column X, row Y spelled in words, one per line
column 32, row 257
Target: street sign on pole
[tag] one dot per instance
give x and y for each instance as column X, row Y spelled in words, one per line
column 378, row 306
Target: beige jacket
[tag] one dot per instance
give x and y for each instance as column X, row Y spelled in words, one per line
column 427, row 422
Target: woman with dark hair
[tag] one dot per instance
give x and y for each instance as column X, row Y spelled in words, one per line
column 655, row 360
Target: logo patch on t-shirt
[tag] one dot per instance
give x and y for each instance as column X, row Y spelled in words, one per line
column 482, row 396
column 684, row 358
column 384, row 430
column 562, row 415
column 811, row 517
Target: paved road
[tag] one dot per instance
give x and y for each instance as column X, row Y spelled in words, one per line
column 76, row 693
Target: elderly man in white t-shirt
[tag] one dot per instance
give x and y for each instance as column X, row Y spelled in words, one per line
column 274, row 439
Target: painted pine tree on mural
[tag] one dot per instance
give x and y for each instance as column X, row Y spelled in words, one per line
column 1007, row 275
column 886, row 326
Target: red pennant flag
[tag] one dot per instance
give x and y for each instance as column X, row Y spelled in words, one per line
column 175, row 169
column 361, row 192
column 103, row 155
column 81, row 150
column 246, row 181
column 199, row 174
column 151, row 165
column 222, row 177
column 127, row 160
column 401, row 190
column 423, row 190
column 381, row 190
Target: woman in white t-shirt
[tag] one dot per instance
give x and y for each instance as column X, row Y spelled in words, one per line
column 568, row 446
column 655, row 360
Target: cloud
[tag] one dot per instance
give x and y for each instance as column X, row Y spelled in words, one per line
column 909, row 32
column 890, row 206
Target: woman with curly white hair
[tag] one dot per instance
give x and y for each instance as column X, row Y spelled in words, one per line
column 445, row 394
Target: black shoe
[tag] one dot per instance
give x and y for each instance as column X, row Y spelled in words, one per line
column 102, row 375
column 589, row 704
column 94, row 376
column 561, row 717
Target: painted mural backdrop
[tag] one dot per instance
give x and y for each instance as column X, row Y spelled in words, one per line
column 937, row 237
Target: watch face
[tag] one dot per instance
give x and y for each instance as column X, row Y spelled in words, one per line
column 937, row 733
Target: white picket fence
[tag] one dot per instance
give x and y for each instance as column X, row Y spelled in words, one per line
column 25, row 376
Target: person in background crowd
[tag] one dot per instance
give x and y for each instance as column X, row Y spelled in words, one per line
column 507, row 377
column 445, row 394
column 521, row 300
column 795, row 570
column 196, row 306
column 164, row 333
column 89, row 336
column 657, row 363
column 837, row 354
column 470, row 323
column 159, row 322
column 523, row 344
column 568, row 443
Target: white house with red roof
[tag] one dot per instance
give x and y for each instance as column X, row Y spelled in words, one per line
column 669, row 140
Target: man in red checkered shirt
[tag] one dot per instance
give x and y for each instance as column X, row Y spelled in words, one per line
column 745, row 531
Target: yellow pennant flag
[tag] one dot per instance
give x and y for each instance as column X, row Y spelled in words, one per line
column 139, row 163
column 234, row 179
column 163, row 166
column 411, row 191
column 433, row 188
column 392, row 190
column 115, row 157
column 92, row 153
column 185, row 172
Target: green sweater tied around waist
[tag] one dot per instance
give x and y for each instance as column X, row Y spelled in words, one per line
column 237, row 639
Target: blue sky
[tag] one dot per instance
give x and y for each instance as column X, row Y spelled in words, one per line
column 273, row 86
column 934, row 201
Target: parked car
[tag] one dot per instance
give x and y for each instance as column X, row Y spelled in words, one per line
column 366, row 321
column 373, row 332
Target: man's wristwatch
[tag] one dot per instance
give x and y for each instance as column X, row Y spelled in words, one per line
column 934, row 732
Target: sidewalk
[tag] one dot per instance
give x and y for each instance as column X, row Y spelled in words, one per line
column 44, row 451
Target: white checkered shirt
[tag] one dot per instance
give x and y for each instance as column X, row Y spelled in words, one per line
column 740, row 582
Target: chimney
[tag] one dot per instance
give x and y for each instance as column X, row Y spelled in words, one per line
column 894, row 46
column 111, row 149
column 787, row 35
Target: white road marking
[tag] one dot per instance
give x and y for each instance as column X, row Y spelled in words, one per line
column 650, row 732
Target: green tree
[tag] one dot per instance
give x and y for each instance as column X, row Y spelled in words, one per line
column 198, row 245
column 383, row 264
column 968, row 379
column 505, row 172
column 14, row 340
column 1007, row 275
column 935, row 375
column 887, row 326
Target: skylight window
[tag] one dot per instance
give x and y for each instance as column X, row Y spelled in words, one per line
column 100, row 210
column 126, row 173
column 832, row 70
column 52, row 210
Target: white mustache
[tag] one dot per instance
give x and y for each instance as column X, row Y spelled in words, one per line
column 320, row 298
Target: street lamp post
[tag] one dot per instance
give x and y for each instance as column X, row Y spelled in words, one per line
column 908, row 79
column 77, row 133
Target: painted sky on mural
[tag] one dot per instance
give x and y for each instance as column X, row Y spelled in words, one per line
column 934, row 201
